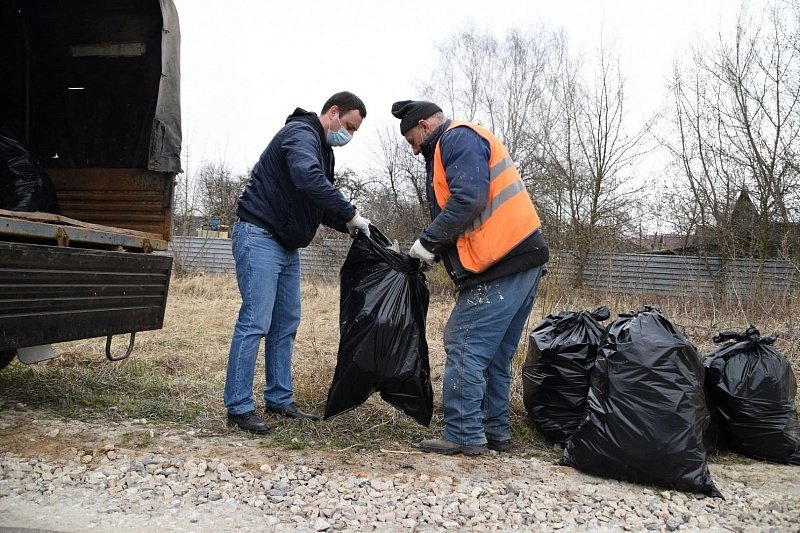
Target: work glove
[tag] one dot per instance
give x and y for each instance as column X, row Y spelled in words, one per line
column 418, row 251
column 358, row 223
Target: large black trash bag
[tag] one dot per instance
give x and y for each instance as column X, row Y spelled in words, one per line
column 752, row 388
column 382, row 347
column 558, row 368
column 646, row 414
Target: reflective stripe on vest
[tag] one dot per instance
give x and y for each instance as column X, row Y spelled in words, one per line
column 509, row 216
column 504, row 195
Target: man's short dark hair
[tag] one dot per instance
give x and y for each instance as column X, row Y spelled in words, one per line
column 345, row 101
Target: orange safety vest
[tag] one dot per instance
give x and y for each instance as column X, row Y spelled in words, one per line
column 509, row 216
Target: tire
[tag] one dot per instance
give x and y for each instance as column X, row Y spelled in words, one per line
column 6, row 356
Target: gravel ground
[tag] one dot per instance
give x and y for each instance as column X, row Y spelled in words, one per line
column 66, row 475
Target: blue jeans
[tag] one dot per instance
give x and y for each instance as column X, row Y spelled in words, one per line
column 269, row 282
column 480, row 340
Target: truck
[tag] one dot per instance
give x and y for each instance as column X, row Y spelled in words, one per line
column 93, row 86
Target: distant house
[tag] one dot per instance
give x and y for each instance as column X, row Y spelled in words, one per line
column 741, row 236
column 660, row 243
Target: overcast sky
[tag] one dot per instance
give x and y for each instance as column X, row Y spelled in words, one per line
column 246, row 64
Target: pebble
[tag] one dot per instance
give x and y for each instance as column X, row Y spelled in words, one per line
column 296, row 494
column 120, row 489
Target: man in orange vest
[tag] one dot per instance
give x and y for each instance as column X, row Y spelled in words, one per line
column 486, row 231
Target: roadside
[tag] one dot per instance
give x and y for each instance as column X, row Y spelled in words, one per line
column 132, row 475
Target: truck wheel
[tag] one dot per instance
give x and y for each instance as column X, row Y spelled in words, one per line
column 6, row 356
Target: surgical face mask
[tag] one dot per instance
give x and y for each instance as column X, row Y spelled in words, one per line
column 340, row 137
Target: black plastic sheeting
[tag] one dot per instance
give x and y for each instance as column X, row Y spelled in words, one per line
column 752, row 389
column 646, row 415
column 382, row 347
column 557, row 371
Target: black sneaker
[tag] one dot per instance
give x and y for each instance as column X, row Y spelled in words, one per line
column 250, row 422
column 291, row 411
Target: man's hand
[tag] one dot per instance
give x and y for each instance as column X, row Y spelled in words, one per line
column 358, row 223
column 418, row 251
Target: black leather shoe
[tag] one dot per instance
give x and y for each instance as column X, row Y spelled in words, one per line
column 249, row 422
column 291, row 411
column 498, row 445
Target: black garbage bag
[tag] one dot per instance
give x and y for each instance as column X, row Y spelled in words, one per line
column 646, row 414
column 558, row 369
column 24, row 185
column 382, row 346
column 752, row 389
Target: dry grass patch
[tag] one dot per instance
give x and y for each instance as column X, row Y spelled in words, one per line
column 177, row 374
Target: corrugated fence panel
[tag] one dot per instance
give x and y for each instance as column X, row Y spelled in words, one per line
column 661, row 274
column 215, row 256
column 200, row 254
column 681, row 274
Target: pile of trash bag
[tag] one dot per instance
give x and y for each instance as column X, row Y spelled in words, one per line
column 382, row 347
column 751, row 389
column 646, row 415
column 558, row 368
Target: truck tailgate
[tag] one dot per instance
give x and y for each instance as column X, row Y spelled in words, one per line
column 53, row 294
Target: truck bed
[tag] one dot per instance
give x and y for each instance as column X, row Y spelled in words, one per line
column 62, row 279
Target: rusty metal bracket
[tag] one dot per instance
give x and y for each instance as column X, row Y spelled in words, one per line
column 127, row 353
column 62, row 237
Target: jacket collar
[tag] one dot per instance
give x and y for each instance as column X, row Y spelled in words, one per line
column 429, row 145
column 311, row 118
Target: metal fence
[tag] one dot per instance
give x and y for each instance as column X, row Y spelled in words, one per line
column 215, row 256
column 627, row 273
column 678, row 275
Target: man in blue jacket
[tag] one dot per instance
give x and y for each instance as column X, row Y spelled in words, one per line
column 290, row 192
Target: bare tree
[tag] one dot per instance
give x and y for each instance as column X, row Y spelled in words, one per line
column 566, row 130
column 219, row 189
column 353, row 186
column 605, row 196
column 396, row 168
column 559, row 168
column 397, row 201
column 496, row 83
column 737, row 116
column 186, row 198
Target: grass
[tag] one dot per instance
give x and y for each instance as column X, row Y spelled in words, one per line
column 176, row 374
column 75, row 388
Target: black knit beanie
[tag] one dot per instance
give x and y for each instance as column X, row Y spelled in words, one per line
column 410, row 112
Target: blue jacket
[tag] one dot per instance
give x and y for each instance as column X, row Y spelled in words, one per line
column 291, row 188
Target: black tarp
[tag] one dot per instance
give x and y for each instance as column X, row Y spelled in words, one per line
column 646, row 415
column 165, row 139
column 556, row 374
column 382, row 346
column 752, row 390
